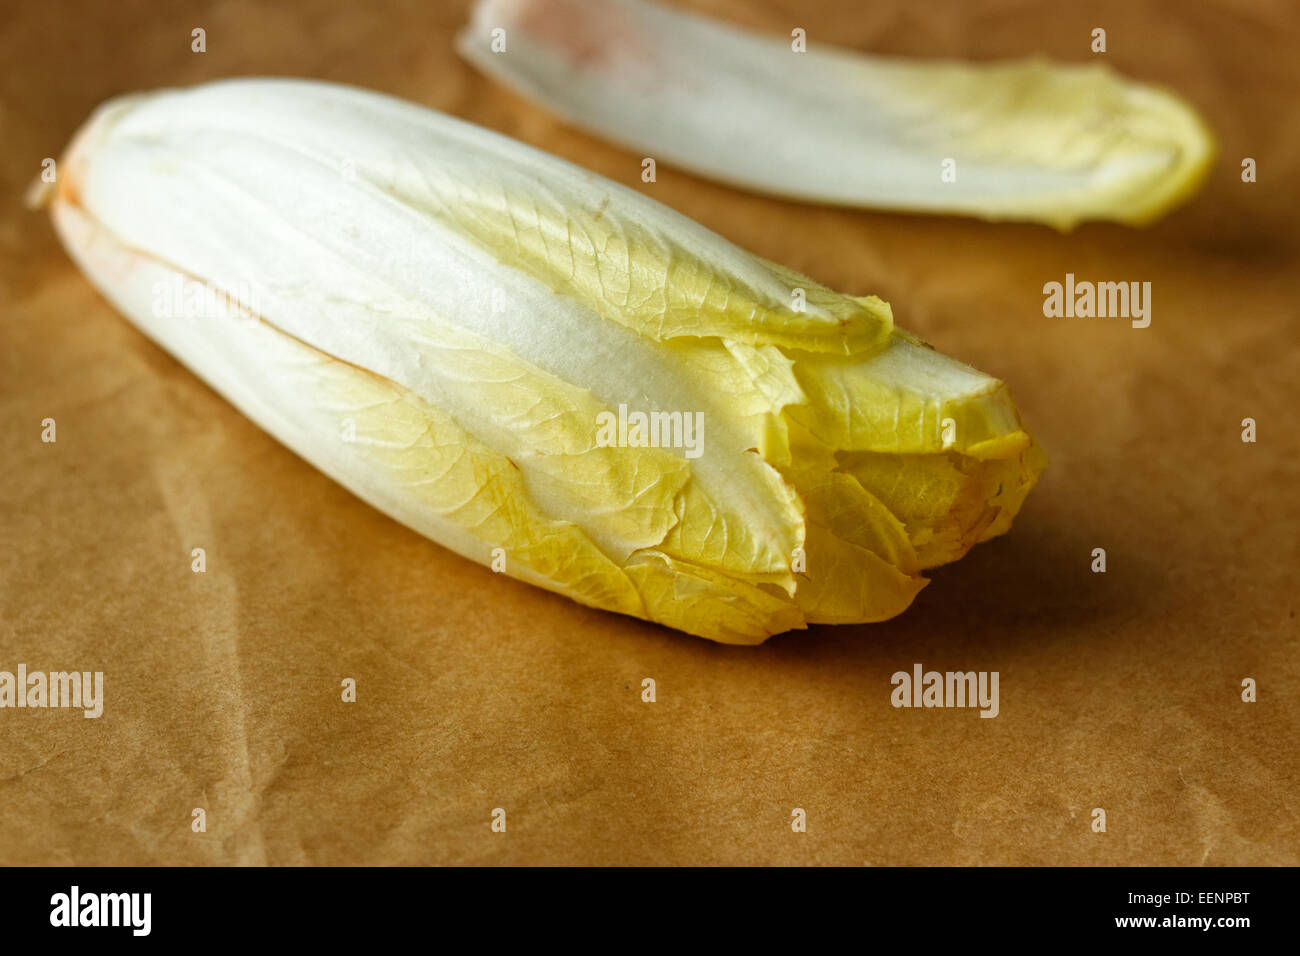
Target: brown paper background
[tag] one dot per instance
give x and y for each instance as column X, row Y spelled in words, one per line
column 1119, row 690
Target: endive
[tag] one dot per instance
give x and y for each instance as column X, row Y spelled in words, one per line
column 1022, row 139
column 442, row 318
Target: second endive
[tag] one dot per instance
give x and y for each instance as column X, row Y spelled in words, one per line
column 535, row 366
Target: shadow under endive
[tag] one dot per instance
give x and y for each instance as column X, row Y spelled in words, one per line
column 1030, row 586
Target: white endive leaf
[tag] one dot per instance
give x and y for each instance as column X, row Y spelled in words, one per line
column 1024, row 139
column 440, row 318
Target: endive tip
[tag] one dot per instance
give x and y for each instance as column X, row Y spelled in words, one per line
column 1197, row 155
column 1194, row 151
